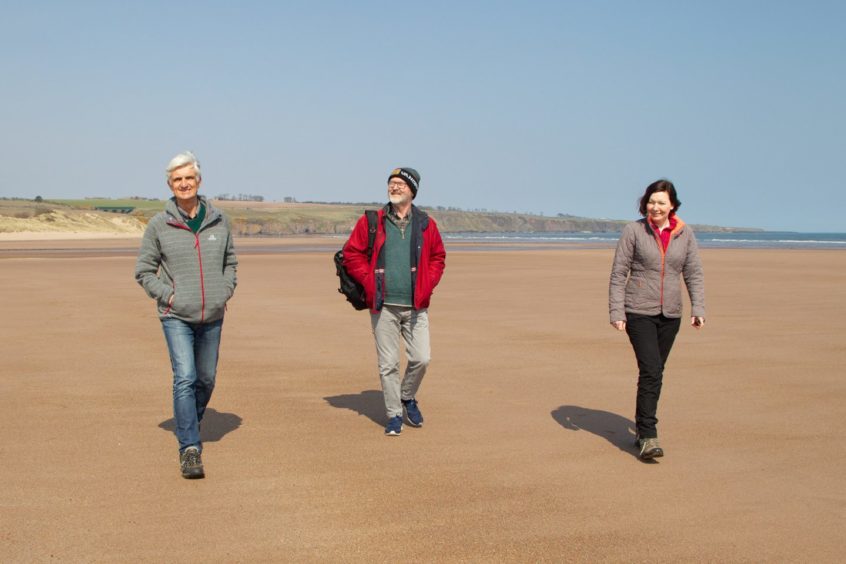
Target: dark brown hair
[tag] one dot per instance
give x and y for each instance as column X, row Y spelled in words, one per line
column 662, row 185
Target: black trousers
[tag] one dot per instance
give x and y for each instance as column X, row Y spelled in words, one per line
column 652, row 338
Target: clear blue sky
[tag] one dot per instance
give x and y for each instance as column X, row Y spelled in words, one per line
column 552, row 107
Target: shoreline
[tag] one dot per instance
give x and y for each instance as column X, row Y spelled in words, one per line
column 455, row 241
column 73, row 245
column 65, row 235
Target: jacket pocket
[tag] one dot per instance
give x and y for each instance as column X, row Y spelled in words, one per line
column 641, row 294
column 185, row 306
column 217, row 294
column 672, row 296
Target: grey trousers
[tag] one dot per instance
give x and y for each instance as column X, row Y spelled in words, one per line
column 389, row 325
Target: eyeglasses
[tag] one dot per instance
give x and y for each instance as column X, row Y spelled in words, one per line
column 397, row 185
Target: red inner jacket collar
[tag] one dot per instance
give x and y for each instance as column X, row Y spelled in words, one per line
column 664, row 234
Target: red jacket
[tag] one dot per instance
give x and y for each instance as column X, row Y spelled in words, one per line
column 427, row 257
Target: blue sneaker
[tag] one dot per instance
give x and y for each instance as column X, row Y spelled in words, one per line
column 394, row 427
column 412, row 413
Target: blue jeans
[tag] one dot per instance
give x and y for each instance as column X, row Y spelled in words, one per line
column 193, row 351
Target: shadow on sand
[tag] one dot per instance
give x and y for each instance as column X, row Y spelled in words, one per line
column 215, row 425
column 614, row 428
column 369, row 403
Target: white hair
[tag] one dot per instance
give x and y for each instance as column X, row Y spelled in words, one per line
column 182, row 159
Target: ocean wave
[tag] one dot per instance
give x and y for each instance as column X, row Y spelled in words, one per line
column 773, row 241
column 762, row 239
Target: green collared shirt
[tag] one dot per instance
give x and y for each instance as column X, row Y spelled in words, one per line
column 195, row 222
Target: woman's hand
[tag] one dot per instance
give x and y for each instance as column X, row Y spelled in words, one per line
column 170, row 300
column 619, row 325
column 697, row 322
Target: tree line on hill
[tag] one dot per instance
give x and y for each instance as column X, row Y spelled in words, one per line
column 240, row 197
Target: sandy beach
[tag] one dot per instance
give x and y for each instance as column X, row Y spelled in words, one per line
column 526, row 453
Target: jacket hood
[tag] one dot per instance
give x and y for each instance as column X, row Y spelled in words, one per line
column 172, row 210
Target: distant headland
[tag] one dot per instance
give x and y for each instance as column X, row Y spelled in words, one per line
column 251, row 218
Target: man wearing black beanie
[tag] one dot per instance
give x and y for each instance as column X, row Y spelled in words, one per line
column 410, row 176
column 399, row 276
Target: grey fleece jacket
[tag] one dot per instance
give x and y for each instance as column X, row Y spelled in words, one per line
column 198, row 270
column 645, row 279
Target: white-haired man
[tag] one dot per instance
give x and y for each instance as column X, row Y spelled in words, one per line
column 187, row 264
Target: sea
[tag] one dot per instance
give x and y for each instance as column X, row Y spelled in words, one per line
column 737, row 240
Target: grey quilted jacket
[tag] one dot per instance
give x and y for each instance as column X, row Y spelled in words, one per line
column 645, row 279
column 198, row 270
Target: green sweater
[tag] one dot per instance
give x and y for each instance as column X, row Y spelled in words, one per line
column 397, row 252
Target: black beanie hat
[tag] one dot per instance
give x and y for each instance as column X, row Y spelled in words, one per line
column 410, row 176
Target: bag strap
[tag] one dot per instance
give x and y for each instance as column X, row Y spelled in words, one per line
column 372, row 225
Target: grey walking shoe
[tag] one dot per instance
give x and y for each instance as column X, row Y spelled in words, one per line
column 649, row 448
column 191, row 463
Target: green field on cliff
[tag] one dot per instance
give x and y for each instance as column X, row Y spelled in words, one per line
column 271, row 219
column 274, row 219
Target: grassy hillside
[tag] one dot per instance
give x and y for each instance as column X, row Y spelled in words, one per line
column 28, row 216
column 278, row 219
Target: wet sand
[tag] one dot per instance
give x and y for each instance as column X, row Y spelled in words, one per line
column 526, row 452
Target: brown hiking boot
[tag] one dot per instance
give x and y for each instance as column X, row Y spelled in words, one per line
column 649, row 449
column 191, row 464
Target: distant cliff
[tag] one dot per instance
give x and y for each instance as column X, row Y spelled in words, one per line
column 275, row 219
column 337, row 219
column 340, row 218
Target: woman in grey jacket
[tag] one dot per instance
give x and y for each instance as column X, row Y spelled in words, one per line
column 187, row 264
column 644, row 297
